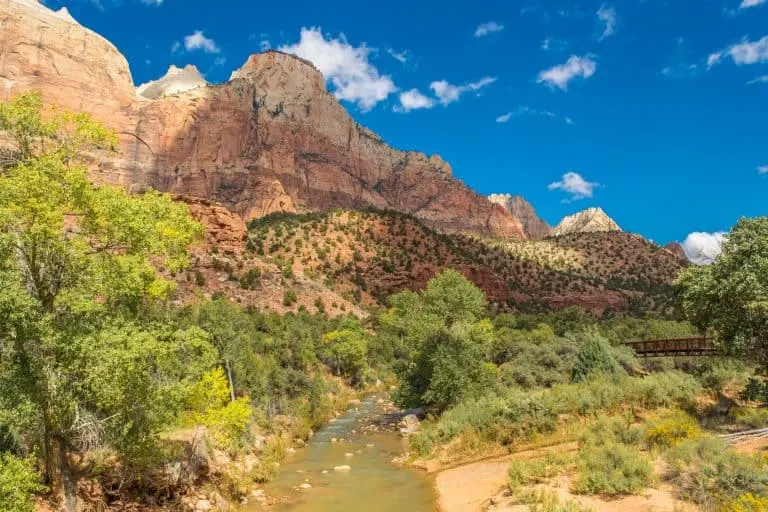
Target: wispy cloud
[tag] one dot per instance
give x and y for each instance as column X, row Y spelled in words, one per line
column 759, row 80
column 575, row 185
column 525, row 110
column 745, row 52
column 746, row 4
column 762, row 169
column 413, row 100
column 488, row 28
column 346, row 67
column 553, row 44
column 152, row 2
column 401, row 57
column 559, row 76
column 198, row 41
column 607, row 15
column 448, row 93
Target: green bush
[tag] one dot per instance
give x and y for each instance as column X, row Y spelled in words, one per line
column 18, row 481
column 672, row 430
column 539, row 470
column 289, row 298
column 612, row 469
column 548, row 501
column 596, row 356
column 708, row 472
column 750, row 416
column 746, row 503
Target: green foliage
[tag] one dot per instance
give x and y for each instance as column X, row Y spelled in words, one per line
column 730, row 297
column 289, row 298
column 208, row 404
column 251, row 280
column 708, row 472
column 523, row 472
column 348, row 352
column 444, row 342
column 596, row 356
column 750, row 417
column 18, row 481
column 612, row 469
column 544, row 500
column 77, row 269
column 671, row 430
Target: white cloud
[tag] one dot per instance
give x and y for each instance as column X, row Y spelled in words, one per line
column 703, row 248
column 762, row 169
column 746, row 4
column 552, row 44
column 198, row 41
column 413, row 100
column 559, row 76
column 576, row 185
column 401, row 57
column 264, row 45
column 448, row 93
column 524, row 110
column 175, row 47
column 488, row 28
column 568, row 120
column 152, row 2
column 745, row 52
column 347, row 67
column 759, row 80
column 607, row 15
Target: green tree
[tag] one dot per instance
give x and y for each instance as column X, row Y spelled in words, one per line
column 730, row 297
column 76, row 268
column 18, row 480
column 444, row 341
column 348, row 352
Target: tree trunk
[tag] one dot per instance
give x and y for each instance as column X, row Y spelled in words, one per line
column 229, row 377
column 58, row 474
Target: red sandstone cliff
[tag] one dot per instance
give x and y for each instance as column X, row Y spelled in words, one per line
column 271, row 139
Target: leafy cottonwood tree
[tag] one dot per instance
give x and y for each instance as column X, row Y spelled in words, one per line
column 445, row 341
column 730, row 297
column 76, row 265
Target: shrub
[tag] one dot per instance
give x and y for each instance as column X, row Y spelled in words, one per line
column 671, row 431
column 708, row 472
column 746, row 503
column 289, row 298
column 612, row 469
column 522, row 472
column 18, row 480
column 208, row 403
column 544, row 500
column 251, row 279
column 749, row 416
column 596, row 356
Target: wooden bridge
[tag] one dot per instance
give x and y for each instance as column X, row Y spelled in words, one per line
column 700, row 346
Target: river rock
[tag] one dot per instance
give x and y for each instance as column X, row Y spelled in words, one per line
column 349, row 454
column 203, row 506
column 305, row 485
column 409, row 425
column 342, row 468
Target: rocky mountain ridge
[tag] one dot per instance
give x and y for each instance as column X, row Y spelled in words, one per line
column 271, row 139
column 521, row 209
column 175, row 81
column 591, row 220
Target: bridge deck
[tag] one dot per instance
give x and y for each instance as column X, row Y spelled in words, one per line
column 699, row 346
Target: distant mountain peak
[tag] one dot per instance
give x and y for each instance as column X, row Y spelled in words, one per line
column 176, row 80
column 524, row 211
column 590, row 220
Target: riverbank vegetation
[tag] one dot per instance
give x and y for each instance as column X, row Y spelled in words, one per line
column 112, row 392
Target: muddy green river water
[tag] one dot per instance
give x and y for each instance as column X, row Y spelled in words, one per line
column 372, row 484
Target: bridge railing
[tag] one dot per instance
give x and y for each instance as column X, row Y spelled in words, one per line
column 674, row 346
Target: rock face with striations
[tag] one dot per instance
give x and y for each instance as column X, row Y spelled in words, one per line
column 522, row 210
column 271, row 139
column 590, row 220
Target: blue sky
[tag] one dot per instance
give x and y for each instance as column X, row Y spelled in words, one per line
column 654, row 110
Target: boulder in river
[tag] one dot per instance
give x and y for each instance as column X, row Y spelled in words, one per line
column 342, row 468
column 409, row 425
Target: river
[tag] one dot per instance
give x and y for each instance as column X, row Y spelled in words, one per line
column 373, row 483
